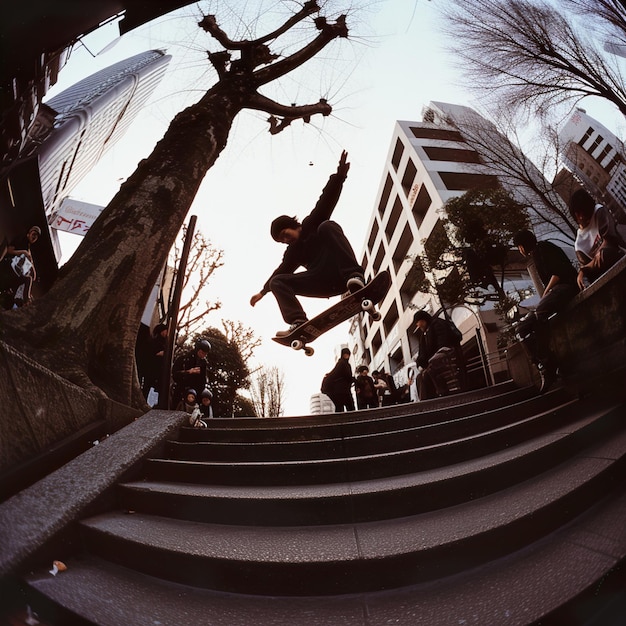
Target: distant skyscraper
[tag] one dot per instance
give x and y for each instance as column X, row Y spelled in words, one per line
column 69, row 135
column 92, row 116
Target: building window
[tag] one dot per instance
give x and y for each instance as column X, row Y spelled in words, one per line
column 462, row 181
column 385, row 197
column 391, row 318
column 392, row 222
column 421, row 205
column 403, row 247
column 409, row 176
column 379, row 258
column 455, row 155
column 437, row 133
column 586, row 136
column 377, row 342
column 373, row 235
column 397, row 154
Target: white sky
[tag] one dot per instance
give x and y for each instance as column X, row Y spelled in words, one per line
column 392, row 65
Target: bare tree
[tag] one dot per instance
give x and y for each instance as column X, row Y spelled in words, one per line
column 204, row 260
column 85, row 327
column 608, row 16
column 268, row 391
column 243, row 337
column 498, row 145
column 530, row 55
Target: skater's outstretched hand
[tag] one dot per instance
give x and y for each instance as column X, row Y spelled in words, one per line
column 255, row 298
column 343, row 166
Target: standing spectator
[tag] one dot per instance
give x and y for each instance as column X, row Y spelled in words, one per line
column 560, row 285
column 17, row 271
column 366, row 393
column 598, row 244
column 340, row 381
column 191, row 369
column 440, row 356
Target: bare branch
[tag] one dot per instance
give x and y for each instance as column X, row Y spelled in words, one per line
column 209, row 24
column 328, row 32
column 530, row 54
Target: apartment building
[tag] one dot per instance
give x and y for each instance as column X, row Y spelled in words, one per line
column 428, row 163
column 595, row 156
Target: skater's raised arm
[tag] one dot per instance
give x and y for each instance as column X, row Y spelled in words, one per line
column 330, row 196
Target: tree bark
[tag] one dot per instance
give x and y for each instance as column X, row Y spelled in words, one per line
column 85, row 327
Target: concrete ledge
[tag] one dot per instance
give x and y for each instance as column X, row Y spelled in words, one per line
column 32, row 517
column 34, row 424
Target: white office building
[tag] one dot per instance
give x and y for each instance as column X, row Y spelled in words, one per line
column 428, row 163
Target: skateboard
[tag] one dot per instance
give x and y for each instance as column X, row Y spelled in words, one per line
column 363, row 300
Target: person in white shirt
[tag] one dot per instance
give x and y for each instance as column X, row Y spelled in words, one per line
column 598, row 244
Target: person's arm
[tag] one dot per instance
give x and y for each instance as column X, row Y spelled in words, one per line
column 330, row 196
column 287, row 266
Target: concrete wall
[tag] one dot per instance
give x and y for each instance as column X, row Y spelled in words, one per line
column 588, row 338
column 33, row 422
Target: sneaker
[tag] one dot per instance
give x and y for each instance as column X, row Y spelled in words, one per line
column 292, row 327
column 548, row 378
column 355, row 282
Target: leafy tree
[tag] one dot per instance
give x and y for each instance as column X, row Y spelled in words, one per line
column 85, row 328
column 532, row 55
column 472, row 236
column 228, row 373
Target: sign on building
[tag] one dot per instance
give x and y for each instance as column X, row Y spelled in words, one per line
column 76, row 217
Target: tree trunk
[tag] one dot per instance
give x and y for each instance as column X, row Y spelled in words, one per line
column 83, row 327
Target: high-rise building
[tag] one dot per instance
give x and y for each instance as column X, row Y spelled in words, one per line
column 428, row 163
column 595, row 156
column 73, row 131
column 91, row 116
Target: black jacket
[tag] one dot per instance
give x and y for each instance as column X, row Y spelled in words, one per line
column 438, row 335
column 306, row 252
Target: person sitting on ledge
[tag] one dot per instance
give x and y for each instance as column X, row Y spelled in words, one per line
column 559, row 278
column 598, row 243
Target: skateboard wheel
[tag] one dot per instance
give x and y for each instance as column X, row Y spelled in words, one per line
column 367, row 305
column 297, row 344
column 309, row 351
column 376, row 316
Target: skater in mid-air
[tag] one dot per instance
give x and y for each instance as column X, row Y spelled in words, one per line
column 320, row 246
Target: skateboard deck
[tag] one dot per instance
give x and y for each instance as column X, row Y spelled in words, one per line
column 350, row 305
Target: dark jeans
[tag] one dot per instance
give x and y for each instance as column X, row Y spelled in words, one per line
column 534, row 329
column 343, row 401
column 327, row 278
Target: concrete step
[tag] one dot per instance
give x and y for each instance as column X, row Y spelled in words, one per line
column 377, row 435
column 358, row 422
column 359, row 467
column 361, row 557
column 368, row 500
column 518, row 590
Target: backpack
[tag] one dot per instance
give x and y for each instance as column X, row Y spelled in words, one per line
column 326, row 384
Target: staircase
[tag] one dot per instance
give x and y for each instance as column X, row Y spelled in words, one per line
column 492, row 507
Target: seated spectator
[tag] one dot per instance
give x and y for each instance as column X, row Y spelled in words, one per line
column 440, row 356
column 598, row 244
column 191, row 407
column 559, row 279
column 17, row 271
